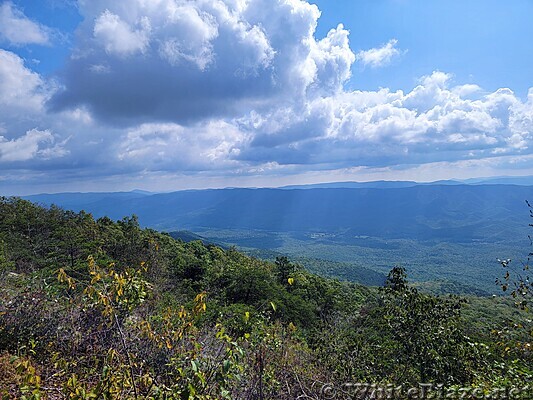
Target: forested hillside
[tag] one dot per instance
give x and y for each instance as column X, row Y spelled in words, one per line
column 436, row 231
column 96, row 308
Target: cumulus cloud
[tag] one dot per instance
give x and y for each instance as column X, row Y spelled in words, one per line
column 168, row 146
column 199, row 59
column 431, row 122
column 379, row 57
column 20, row 87
column 191, row 37
column 118, row 37
column 33, row 144
column 17, row 29
column 238, row 88
column 521, row 123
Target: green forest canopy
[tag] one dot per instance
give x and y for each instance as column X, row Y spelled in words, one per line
column 103, row 309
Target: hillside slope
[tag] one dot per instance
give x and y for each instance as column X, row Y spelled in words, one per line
column 104, row 309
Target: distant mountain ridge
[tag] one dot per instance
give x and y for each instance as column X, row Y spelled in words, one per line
column 503, row 180
column 369, row 185
column 456, row 212
column 440, row 231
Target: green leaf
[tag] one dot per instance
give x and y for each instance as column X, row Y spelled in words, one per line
column 194, row 365
column 226, row 366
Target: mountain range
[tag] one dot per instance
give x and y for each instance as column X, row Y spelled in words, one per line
column 454, row 213
column 441, row 230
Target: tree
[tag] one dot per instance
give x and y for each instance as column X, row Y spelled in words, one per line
column 517, row 338
column 284, row 269
column 519, row 282
column 427, row 334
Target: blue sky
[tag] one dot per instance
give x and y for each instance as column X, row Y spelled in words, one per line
column 487, row 42
column 169, row 94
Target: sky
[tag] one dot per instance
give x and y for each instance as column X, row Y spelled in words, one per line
column 162, row 95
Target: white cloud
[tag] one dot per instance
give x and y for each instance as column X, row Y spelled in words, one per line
column 379, row 57
column 118, row 37
column 190, row 32
column 332, row 59
column 466, row 90
column 344, row 129
column 100, row 69
column 200, row 59
column 168, row 146
column 30, row 146
column 430, row 123
column 521, row 122
column 20, row 87
column 238, row 88
column 17, row 29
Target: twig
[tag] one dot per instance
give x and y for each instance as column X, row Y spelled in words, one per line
column 127, row 356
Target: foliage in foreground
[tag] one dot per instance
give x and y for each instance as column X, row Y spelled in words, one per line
column 102, row 309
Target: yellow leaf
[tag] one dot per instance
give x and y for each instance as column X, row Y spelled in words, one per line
column 290, row 281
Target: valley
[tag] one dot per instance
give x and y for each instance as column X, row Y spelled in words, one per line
column 449, row 233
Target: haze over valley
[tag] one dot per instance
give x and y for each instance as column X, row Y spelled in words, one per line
column 445, row 231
